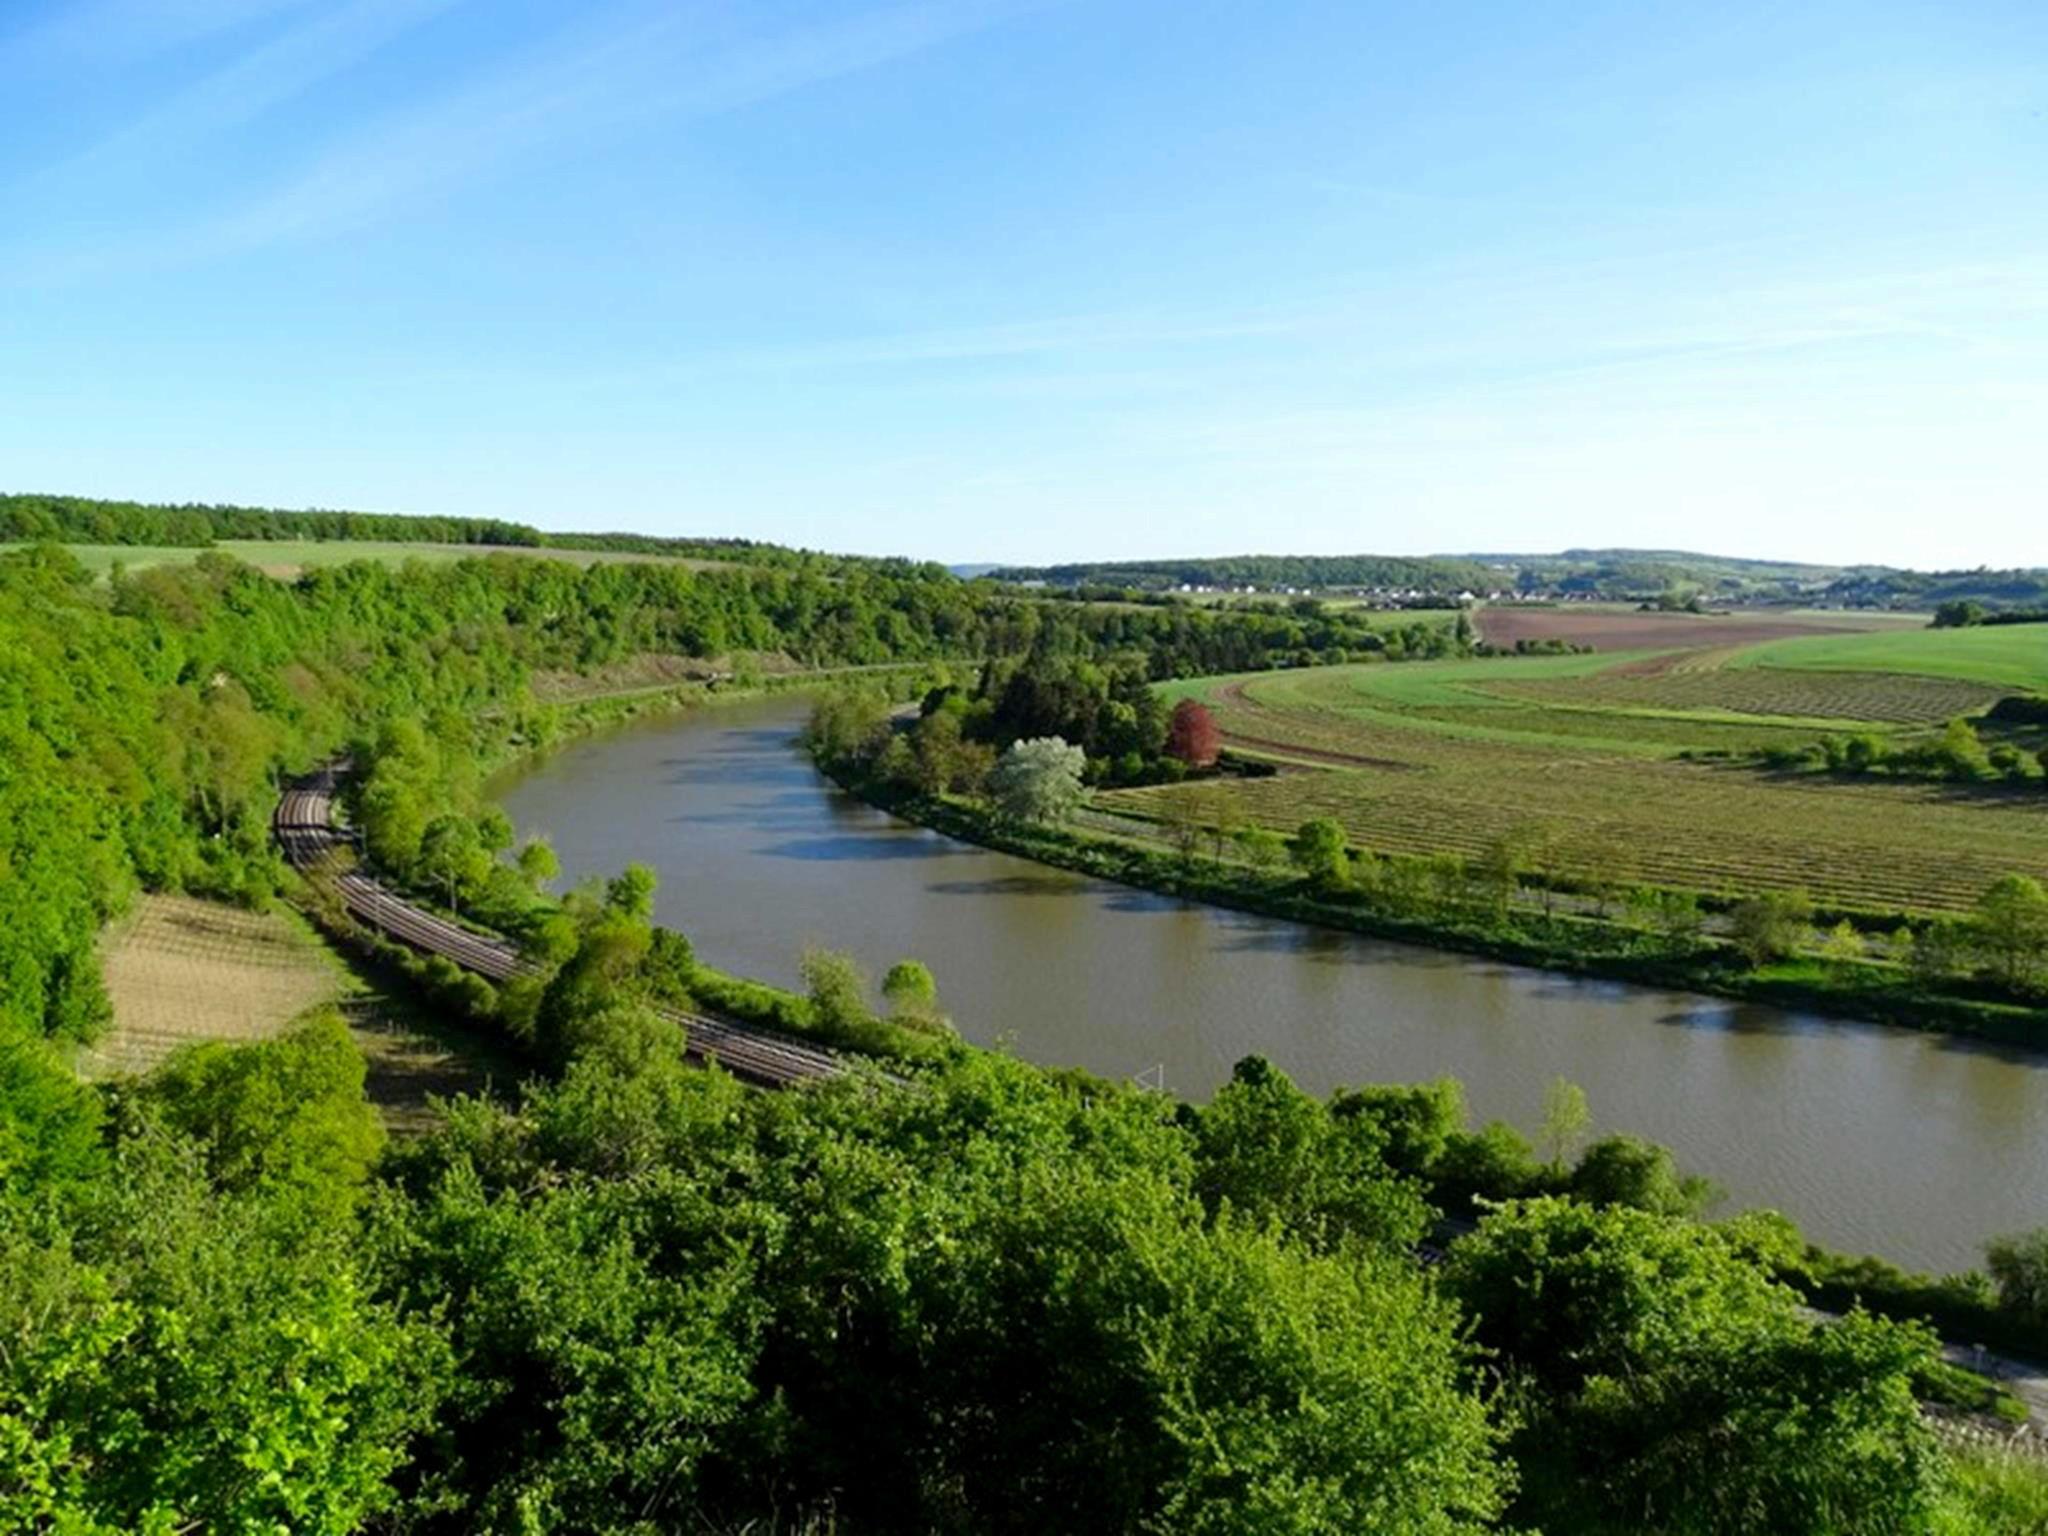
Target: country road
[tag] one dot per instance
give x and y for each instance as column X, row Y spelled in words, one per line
column 304, row 826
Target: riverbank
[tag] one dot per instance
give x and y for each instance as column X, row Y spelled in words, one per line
column 1960, row 1307
column 1562, row 941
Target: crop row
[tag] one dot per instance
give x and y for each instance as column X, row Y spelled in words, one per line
column 1848, row 696
column 1677, row 844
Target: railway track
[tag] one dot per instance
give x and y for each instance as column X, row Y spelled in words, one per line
column 306, row 832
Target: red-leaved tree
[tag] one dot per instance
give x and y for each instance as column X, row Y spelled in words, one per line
column 1193, row 737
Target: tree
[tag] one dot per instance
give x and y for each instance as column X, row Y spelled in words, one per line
column 1181, row 819
column 1226, row 823
column 1500, row 871
column 1674, row 916
column 2019, row 1268
column 537, row 862
column 1320, row 853
column 1039, row 780
column 1622, row 1170
column 838, row 990
column 281, row 1115
column 1843, row 949
column 1565, row 1118
column 1272, row 1153
column 1416, row 1121
column 2010, row 929
column 454, row 858
column 1770, row 926
column 850, row 725
column 1192, row 735
column 1679, row 1387
column 913, row 995
column 1935, row 952
column 1260, row 847
column 50, row 1122
column 630, row 893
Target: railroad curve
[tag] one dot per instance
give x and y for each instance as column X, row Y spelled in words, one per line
column 304, row 827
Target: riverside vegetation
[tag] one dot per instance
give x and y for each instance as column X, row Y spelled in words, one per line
column 642, row 1297
column 944, row 768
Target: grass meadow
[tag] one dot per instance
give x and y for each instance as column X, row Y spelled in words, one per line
column 1641, row 763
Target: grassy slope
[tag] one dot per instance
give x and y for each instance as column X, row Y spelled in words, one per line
column 2011, row 655
column 1450, row 756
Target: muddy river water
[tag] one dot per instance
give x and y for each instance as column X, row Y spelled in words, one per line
column 1873, row 1139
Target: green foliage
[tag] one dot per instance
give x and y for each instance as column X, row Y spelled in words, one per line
column 838, row 990
column 1671, row 1386
column 1273, row 1155
column 1415, row 1123
column 2010, row 930
column 537, row 863
column 49, row 1123
column 194, row 1346
column 630, row 894
column 2019, row 1268
column 1773, row 1432
column 1319, row 851
column 1622, row 1170
column 284, row 1118
column 1570, row 1292
column 993, row 1304
column 1770, row 926
column 1997, row 1493
column 1565, row 1118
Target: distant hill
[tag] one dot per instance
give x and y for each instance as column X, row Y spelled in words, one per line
column 1627, row 575
column 1266, row 572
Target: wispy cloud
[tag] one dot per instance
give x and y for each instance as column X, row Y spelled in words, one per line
column 615, row 74
column 265, row 77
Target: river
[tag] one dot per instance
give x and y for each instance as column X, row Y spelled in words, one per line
column 1874, row 1139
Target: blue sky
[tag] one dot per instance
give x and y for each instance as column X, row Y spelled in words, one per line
column 1014, row 281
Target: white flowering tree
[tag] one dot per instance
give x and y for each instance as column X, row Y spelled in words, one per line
column 1038, row 780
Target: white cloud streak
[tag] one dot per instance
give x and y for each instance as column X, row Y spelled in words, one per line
column 619, row 76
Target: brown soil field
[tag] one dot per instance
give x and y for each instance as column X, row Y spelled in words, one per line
column 180, row 970
column 1610, row 629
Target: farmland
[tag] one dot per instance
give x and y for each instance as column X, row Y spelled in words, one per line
column 2011, row 656
column 1621, row 627
column 1622, row 761
column 181, row 970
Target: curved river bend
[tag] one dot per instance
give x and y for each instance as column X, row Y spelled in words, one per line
column 1873, row 1139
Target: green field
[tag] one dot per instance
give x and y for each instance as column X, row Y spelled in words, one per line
column 2007, row 655
column 1608, row 756
column 287, row 557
